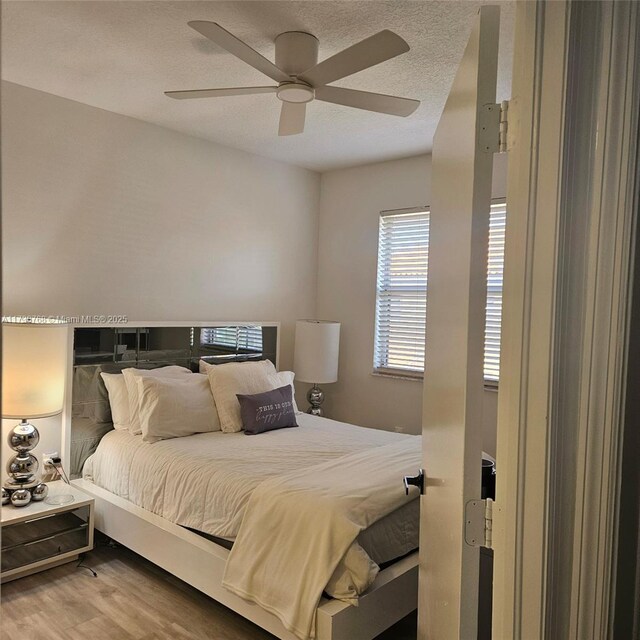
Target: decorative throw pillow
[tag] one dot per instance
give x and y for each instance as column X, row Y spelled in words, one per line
column 118, row 399
column 130, row 376
column 280, row 379
column 267, row 411
column 175, row 407
column 228, row 380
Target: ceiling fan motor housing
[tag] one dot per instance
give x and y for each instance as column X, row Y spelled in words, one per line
column 296, row 51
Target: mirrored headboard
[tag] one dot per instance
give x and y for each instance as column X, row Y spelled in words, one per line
column 98, row 349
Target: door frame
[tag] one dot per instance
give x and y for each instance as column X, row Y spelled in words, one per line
column 573, row 128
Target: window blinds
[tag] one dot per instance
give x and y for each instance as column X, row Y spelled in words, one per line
column 495, row 270
column 235, row 338
column 401, row 299
column 403, row 249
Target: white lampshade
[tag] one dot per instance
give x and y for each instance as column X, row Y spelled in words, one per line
column 316, row 351
column 34, row 362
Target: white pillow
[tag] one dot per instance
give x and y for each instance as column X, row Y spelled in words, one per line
column 175, row 407
column 130, row 376
column 237, row 377
column 281, row 379
column 118, row 399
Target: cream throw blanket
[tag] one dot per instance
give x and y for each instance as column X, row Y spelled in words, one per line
column 298, row 527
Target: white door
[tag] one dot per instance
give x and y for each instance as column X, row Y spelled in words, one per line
column 453, row 380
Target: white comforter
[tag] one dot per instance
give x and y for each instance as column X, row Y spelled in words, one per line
column 316, row 515
column 204, row 481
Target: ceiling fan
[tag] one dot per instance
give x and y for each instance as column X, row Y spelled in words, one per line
column 302, row 79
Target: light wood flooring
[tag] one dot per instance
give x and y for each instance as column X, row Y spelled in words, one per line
column 131, row 599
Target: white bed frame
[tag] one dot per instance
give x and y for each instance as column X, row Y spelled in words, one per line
column 201, row 562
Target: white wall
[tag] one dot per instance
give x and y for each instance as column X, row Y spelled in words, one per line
column 105, row 214
column 350, row 205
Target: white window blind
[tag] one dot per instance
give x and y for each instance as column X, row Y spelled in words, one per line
column 401, row 297
column 495, row 270
column 247, row 338
column 403, row 249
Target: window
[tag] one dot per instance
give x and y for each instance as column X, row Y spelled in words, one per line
column 401, row 300
column 401, row 297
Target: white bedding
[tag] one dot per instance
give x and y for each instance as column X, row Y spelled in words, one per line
column 204, row 481
column 316, row 522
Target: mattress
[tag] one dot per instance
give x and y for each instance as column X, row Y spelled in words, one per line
column 204, row 481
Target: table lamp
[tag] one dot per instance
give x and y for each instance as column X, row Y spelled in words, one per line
column 316, row 358
column 34, row 359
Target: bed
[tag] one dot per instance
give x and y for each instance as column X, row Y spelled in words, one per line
column 180, row 503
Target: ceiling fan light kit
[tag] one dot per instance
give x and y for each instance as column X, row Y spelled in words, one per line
column 295, row 92
column 301, row 79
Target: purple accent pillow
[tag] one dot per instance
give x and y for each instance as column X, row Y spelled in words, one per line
column 267, row 411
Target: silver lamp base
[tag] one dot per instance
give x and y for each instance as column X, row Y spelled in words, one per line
column 23, row 484
column 20, row 494
column 315, row 396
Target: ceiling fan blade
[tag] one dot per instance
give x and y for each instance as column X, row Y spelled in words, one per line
column 367, row 53
column 233, row 45
column 292, row 118
column 217, row 93
column 369, row 101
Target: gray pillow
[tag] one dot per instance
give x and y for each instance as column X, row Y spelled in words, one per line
column 267, row 411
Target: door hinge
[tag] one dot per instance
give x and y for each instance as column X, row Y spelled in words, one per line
column 478, row 515
column 504, row 126
column 493, row 129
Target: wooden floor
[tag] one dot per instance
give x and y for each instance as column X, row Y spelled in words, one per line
column 131, row 599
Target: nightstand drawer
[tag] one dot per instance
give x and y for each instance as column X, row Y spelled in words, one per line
column 45, row 537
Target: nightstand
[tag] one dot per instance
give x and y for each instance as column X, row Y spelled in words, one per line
column 41, row 536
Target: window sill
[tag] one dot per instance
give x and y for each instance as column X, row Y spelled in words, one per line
column 419, row 377
column 398, row 375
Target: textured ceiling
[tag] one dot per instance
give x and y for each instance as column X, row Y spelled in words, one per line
column 122, row 55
